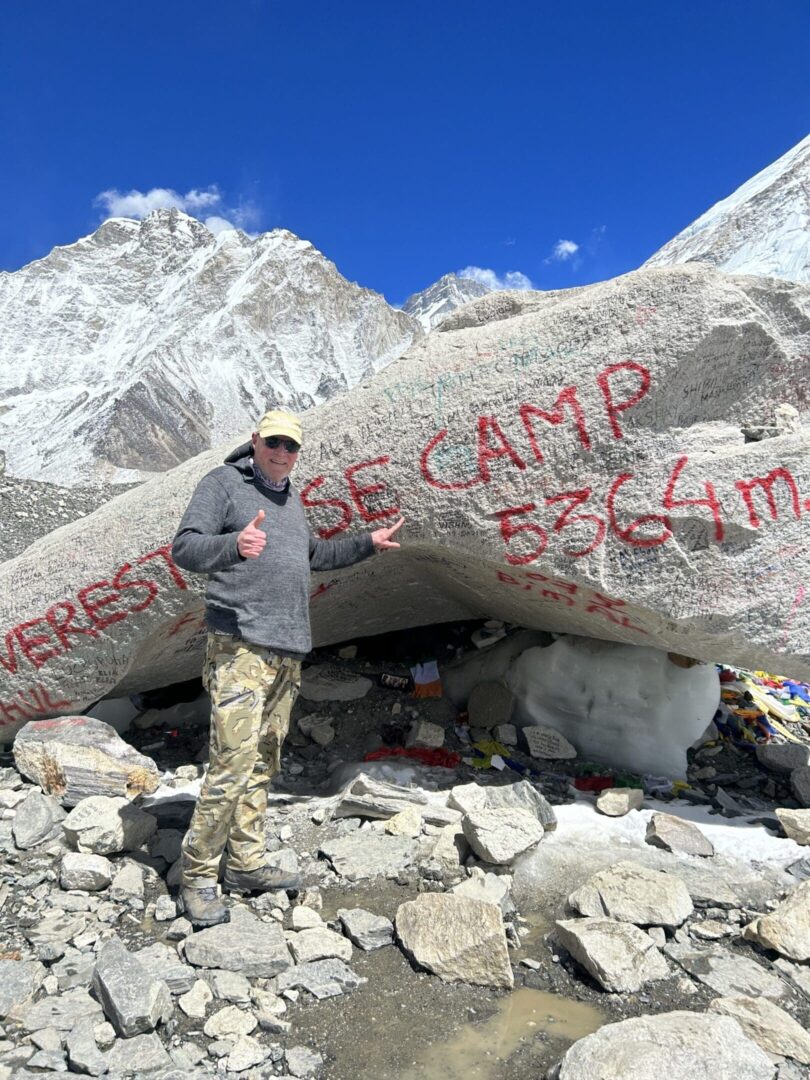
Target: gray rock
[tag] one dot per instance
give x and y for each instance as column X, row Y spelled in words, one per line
column 490, row 704
column 367, row 797
column 138, row 1056
column 771, row 1028
column 491, row 888
column 681, row 837
column 686, row 1045
column 456, row 938
column 246, row 1053
column 797, row 975
column 318, row 943
column 195, row 1001
column 54, row 931
column 499, row 836
column 35, row 819
column 366, row 930
column 52, row 1061
column 304, row 918
column 83, row 1052
column 74, row 757
column 133, row 1000
column 47, row 1039
column 728, row 974
column 331, row 683
column 321, row 978
column 800, row 869
column 367, row 854
column 104, row 826
column 303, row 1062
column 795, row 824
column 90, row 873
column 19, row 982
column 423, row 733
column 245, row 944
column 229, row 986
column 128, row 883
column 229, row 1022
column 159, row 957
column 620, row 957
column 782, row 758
column 800, row 785
column 165, row 908
column 787, row 928
column 616, row 802
column 632, row 893
column 64, row 1012
column 522, row 795
column 74, row 969
column 547, row 744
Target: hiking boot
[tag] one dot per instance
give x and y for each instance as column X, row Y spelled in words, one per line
column 202, row 906
column 262, row 879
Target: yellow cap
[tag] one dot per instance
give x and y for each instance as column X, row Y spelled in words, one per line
column 278, row 422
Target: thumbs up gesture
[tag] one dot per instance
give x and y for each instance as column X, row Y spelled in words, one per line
column 251, row 539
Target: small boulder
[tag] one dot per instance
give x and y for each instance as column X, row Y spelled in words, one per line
column 133, row 1000
column 91, row 873
column 771, row 1028
column 423, row 733
column 407, row 822
column 319, row 943
column 490, row 704
column 548, row 744
column 782, row 758
column 680, row 837
column 787, row 928
column 35, row 819
column 616, row 802
column 367, row 930
column 104, row 826
column 620, row 957
column 499, row 836
column 632, row 893
column 796, row 824
column 800, row 785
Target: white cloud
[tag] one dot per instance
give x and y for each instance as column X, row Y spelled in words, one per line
column 564, row 250
column 138, row 204
column 512, row 279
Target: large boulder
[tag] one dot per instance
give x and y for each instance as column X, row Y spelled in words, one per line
column 630, row 892
column 78, row 756
column 787, row 928
column 607, row 461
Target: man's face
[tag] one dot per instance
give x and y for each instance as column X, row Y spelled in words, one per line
column 275, row 462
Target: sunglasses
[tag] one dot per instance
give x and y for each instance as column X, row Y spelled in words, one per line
column 273, row 442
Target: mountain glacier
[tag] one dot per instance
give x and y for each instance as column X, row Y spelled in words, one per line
column 147, row 342
column 763, row 228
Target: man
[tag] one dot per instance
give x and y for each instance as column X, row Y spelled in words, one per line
column 245, row 527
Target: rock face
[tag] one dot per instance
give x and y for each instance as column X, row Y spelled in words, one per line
column 78, row 756
column 633, row 397
column 458, row 939
column 787, row 928
column 631, row 893
column 619, row 956
column 688, row 1045
column 183, row 337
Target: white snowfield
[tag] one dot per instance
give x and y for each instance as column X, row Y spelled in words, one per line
column 145, row 343
column 762, row 228
column 574, row 462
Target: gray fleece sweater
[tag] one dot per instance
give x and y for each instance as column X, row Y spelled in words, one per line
column 264, row 600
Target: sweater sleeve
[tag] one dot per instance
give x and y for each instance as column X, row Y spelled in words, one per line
column 200, row 544
column 332, row 554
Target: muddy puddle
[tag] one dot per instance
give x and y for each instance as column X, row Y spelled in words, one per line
column 482, row 1051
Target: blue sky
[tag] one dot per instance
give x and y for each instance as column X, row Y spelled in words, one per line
column 403, row 140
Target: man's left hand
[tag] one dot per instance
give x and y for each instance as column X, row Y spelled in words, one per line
column 381, row 538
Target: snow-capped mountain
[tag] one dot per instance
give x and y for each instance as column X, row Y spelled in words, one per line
column 146, row 342
column 762, row 228
column 431, row 305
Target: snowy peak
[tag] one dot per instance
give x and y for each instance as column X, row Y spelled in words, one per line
column 762, row 228
column 433, row 304
column 147, row 342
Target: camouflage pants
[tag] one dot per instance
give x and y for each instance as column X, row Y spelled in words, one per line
column 252, row 694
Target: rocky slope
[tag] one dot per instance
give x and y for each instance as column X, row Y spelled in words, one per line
column 762, row 228
column 145, row 343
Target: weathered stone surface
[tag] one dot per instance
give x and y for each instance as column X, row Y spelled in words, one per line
column 632, row 893
column 367, row 797
column 194, row 1002
column 796, row 824
column 104, row 826
column 787, row 928
column 128, row 883
column 490, row 704
column 35, row 819
column 137, row 1056
column 83, row 1052
column 492, row 888
column 75, row 757
column 161, row 958
column 456, row 938
column 321, row 978
column 770, row 1027
column 499, row 836
column 366, row 930
column 88, row 872
column 703, row 344
column 19, row 982
column 244, row 944
column 687, row 1045
column 728, row 974
column 228, row 1022
column 303, row 1062
column 800, row 785
column 782, row 758
column 547, row 743
column 133, row 1001
column 229, row 986
column 406, row 823
column 331, row 683
column 246, row 1053
column 521, row 796
column 367, row 854
column 616, row 802
column 63, row 1012
column 304, row 918
column 319, row 943
column 673, row 834
column 618, row 955
column 423, row 733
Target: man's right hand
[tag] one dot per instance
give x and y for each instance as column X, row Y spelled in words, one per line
column 251, row 539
